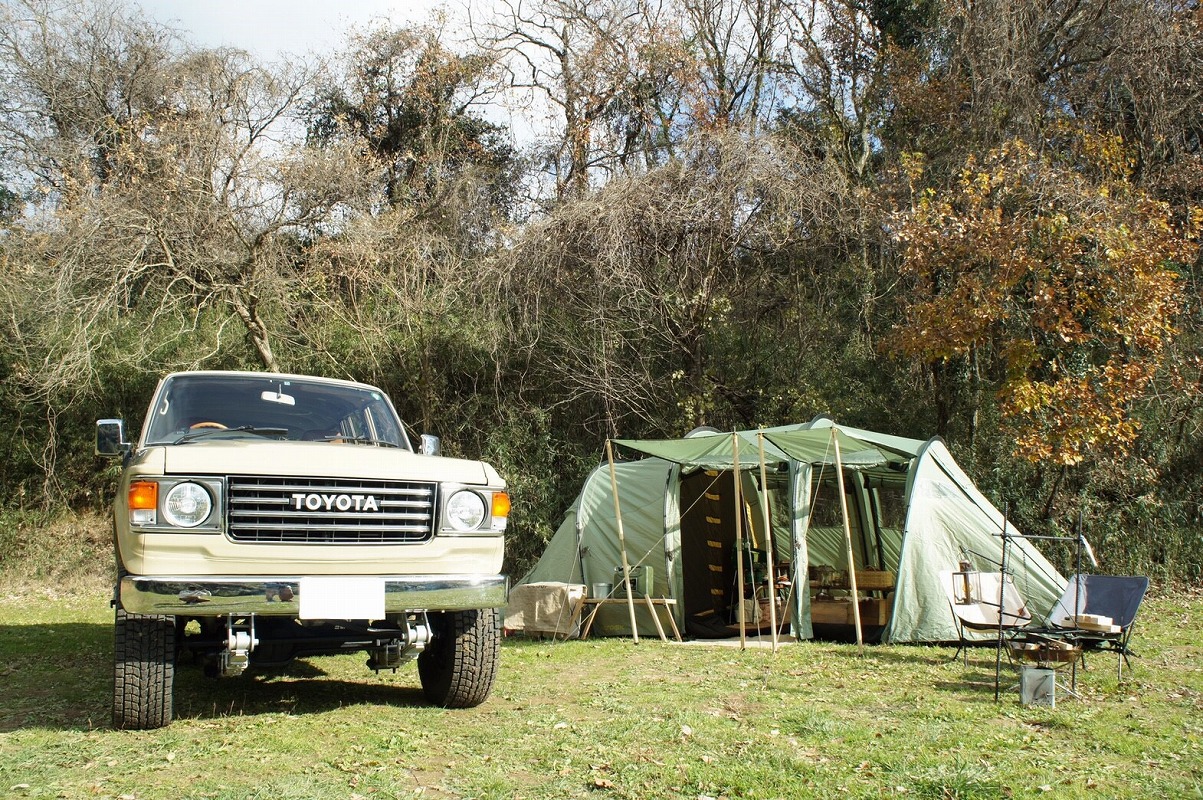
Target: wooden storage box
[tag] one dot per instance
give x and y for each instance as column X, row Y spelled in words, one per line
column 873, row 611
column 831, row 612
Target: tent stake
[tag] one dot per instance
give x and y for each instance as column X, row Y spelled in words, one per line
column 839, row 477
column 770, row 542
column 622, row 542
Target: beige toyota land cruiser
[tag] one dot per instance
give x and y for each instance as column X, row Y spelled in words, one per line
column 264, row 517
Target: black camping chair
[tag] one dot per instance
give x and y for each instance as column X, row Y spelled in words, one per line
column 1098, row 612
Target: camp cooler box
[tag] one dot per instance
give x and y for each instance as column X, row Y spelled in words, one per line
column 642, row 582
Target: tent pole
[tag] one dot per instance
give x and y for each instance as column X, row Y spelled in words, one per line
column 1002, row 599
column 622, row 542
column 839, row 477
column 770, row 542
column 1077, row 579
column 739, row 540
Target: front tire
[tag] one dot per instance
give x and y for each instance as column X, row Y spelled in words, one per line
column 459, row 665
column 143, row 670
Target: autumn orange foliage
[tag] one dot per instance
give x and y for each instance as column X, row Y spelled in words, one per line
column 1057, row 273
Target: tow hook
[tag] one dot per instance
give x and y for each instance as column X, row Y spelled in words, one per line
column 240, row 641
column 392, row 653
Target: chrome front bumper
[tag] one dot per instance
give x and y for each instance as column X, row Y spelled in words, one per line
column 280, row 596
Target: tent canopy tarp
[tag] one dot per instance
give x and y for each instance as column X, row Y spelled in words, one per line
column 781, row 445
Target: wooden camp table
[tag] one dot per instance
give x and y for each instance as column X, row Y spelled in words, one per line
column 651, row 602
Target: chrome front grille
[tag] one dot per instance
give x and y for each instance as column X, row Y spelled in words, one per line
column 329, row 510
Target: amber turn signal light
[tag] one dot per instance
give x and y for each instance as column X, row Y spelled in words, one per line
column 501, row 504
column 143, row 495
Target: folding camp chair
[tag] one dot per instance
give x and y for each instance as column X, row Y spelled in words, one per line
column 974, row 598
column 1098, row 612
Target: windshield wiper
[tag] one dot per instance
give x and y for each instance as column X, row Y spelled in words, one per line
column 200, row 434
column 362, row 440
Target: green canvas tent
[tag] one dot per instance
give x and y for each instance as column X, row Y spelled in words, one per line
column 911, row 513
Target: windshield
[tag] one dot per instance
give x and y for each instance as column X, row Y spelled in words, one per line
column 196, row 407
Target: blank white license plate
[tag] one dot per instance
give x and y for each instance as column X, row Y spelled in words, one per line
column 342, row 598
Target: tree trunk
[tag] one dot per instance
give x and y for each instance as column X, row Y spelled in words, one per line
column 940, row 397
column 1052, row 493
column 248, row 311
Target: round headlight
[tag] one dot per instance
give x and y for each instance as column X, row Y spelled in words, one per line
column 187, row 505
column 465, row 511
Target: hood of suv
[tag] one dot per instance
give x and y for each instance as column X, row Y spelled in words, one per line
column 266, row 457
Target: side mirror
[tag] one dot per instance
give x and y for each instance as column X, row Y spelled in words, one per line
column 430, row 446
column 110, row 438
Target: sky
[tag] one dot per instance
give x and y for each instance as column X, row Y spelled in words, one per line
column 271, row 28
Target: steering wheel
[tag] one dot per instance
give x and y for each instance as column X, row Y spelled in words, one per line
column 216, row 425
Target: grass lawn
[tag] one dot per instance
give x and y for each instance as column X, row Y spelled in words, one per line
column 605, row 719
